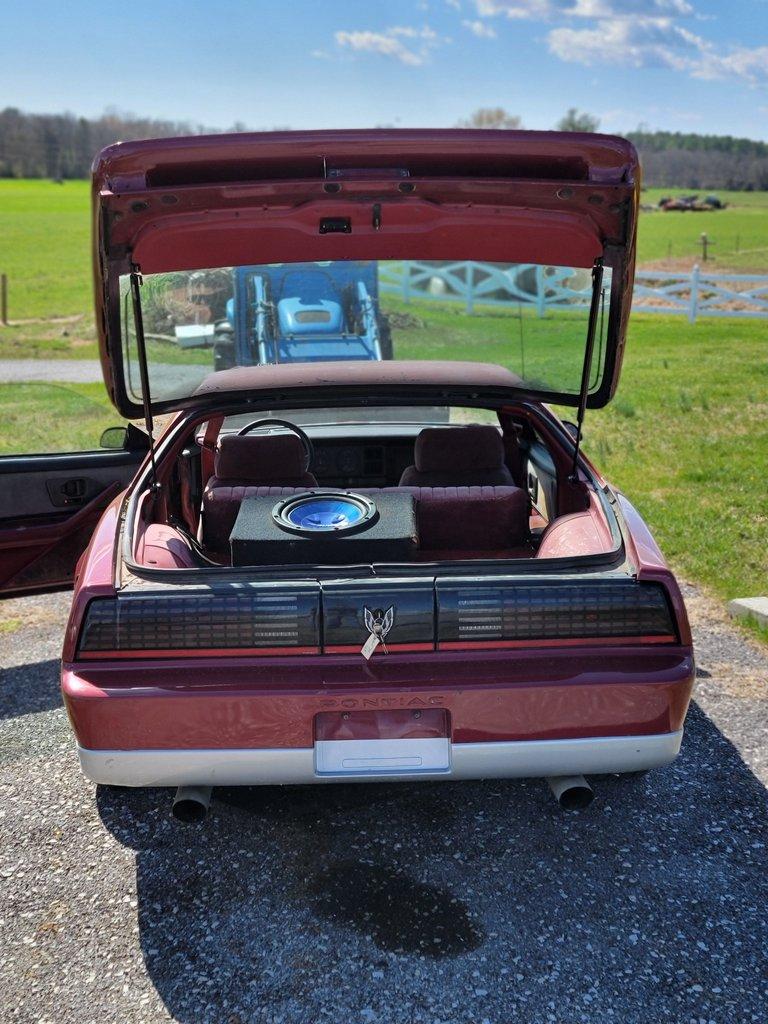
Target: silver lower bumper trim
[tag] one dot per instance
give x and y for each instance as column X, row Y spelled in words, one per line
column 599, row 755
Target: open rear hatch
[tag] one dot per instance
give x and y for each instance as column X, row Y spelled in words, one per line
column 495, row 198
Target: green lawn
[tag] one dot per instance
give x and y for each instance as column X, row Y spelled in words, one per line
column 687, row 439
column 50, row 417
column 739, row 233
column 45, row 247
column 45, row 241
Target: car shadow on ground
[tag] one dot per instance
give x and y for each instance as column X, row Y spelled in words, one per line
column 468, row 901
column 28, row 689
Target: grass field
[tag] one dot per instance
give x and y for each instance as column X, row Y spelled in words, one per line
column 44, row 417
column 45, row 241
column 739, row 233
column 45, row 247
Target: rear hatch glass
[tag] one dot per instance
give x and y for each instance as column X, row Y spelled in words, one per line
column 529, row 318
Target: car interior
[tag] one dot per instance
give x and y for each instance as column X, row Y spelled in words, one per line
column 443, row 493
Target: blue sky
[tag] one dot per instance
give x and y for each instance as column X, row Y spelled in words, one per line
column 687, row 65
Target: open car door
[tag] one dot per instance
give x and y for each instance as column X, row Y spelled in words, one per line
column 49, row 506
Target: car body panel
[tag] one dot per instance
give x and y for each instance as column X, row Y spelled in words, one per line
column 594, row 755
column 239, row 702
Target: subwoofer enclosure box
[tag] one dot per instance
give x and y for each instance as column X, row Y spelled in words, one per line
column 390, row 536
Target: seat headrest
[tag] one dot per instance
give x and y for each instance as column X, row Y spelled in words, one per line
column 458, row 449
column 260, row 459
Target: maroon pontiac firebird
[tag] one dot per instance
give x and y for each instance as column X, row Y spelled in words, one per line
column 333, row 566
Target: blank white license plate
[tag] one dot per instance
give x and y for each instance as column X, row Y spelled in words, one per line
column 382, row 757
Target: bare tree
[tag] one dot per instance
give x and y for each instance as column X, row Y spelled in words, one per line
column 578, row 121
column 491, row 117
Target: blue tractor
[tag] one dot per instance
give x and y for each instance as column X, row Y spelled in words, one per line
column 303, row 312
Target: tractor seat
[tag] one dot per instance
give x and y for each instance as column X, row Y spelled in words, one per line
column 242, row 463
column 458, row 457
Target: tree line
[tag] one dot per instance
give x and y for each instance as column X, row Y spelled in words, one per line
column 61, row 146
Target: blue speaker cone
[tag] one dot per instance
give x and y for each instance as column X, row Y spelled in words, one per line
column 325, row 514
column 331, row 512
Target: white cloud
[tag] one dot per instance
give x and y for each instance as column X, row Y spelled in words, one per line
column 480, row 29
column 548, row 10
column 656, row 42
column 751, row 65
column 535, row 9
column 389, row 43
column 638, row 42
column 626, row 8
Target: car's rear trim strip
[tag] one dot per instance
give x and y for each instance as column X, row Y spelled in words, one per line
column 394, row 648
column 608, row 641
column 597, row 755
column 197, row 652
column 445, row 645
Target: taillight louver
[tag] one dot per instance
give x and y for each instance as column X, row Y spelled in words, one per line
column 515, row 611
column 245, row 620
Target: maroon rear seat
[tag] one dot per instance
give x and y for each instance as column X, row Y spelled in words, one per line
column 482, row 518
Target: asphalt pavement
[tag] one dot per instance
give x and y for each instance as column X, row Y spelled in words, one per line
column 166, row 377
column 479, row 903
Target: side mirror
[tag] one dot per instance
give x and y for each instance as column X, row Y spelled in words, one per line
column 124, row 439
column 114, row 438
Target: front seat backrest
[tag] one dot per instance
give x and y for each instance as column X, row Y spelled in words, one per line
column 459, row 457
column 271, row 459
column 241, row 466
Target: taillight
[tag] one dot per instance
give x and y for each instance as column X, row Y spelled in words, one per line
column 259, row 622
column 514, row 611
column 277, row 619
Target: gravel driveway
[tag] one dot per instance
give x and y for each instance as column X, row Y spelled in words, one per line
column 480, row 903
column 165, row 376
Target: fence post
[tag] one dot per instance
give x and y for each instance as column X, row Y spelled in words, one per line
column 406, row 280
column 694, row 306
column 470, row 285
column 541, row 292
column 4, row 300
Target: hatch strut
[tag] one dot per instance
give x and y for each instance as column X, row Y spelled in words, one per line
column 594, row 310
column 141, row 349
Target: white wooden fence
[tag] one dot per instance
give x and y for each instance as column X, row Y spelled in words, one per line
column 488, row 284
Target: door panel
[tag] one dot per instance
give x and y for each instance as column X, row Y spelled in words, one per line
column 49, row 506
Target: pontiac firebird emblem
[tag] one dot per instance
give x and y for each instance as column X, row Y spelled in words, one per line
column 378, row 623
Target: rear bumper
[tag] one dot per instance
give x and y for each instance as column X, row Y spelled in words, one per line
column 290, row 766
column 490, row 697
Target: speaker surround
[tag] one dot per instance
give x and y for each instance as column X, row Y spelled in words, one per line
column 334, row 512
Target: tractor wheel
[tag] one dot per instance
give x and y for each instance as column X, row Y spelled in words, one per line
column 385, row 337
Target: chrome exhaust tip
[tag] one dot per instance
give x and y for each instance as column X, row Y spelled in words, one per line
column 572, row 792
column 191, row 803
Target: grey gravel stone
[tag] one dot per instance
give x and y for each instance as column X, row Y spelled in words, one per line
column 479, row 903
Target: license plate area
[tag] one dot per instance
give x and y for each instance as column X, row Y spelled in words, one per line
column 381, row 743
